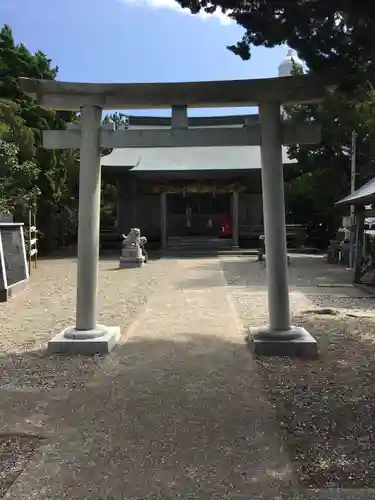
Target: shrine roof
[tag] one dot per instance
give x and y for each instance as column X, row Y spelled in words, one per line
column 362, row 196
column 187, row 159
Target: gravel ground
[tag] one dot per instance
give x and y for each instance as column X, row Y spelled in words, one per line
column 47, row 306
column 325, row 408
column 15, row 452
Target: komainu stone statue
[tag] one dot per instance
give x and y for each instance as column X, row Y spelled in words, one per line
column 134, row 238
column 133, row 253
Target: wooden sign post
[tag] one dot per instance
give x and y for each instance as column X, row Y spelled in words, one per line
column 13, row 260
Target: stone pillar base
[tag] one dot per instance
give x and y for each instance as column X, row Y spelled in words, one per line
column 296, row 342
column 100, row 340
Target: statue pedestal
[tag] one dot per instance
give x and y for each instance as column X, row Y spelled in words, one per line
column 131, row 257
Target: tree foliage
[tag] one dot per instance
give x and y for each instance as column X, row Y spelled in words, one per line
column 26, row 169
column 328, row 34
column 18, row 170
column 324, row 170
column 118, row 120
column 109, row 190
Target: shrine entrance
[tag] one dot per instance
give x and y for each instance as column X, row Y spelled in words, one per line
column 197, row 214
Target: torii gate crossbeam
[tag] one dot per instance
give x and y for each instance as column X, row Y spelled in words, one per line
column 277, row 338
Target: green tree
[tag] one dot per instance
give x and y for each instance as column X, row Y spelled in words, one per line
column 109, row 189
column 329, row 35
column 117, row 120
column 323, row 174
column 57, row 170
column 18, row 170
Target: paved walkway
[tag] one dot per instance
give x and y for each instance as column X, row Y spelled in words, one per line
column 177, row 412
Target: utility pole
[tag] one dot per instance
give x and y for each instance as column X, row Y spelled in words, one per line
column 353, row 163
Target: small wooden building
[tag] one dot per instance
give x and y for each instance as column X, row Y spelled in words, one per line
column 188, row 192
column 363, row 201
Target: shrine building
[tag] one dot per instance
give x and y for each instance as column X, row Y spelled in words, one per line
column 197, row 193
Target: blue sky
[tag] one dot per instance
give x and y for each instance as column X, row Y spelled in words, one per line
column 134, row 41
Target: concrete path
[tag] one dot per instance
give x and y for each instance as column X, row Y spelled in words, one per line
column 177, row 412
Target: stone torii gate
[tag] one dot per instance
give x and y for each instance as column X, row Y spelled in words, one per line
column 277, row 338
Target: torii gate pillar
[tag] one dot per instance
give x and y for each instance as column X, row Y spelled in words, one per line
column 87, row 337
column 278, row 338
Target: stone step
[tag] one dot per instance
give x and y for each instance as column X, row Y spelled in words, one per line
column 198, row 243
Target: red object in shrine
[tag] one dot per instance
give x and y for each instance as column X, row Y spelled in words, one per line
column 226, row 225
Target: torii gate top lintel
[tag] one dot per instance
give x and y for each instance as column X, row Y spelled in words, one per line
column 70, row 96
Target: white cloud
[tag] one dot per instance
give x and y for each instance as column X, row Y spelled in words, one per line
column 173, row 5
